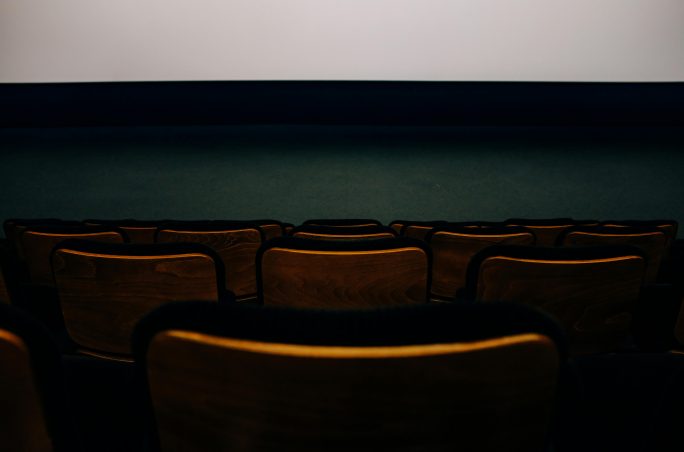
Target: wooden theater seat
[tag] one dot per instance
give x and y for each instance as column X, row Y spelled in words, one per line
column 138, row 231
column 591, row 291
column 236, row 242
column 104, row 289
column 419, row 229
column 651, row 241
column 343, row 233
column 37, row 244
column 343, row 274
column 342, row 223
column 454, row 246
column 34, row 416
column 548, row 230
column 423, row 378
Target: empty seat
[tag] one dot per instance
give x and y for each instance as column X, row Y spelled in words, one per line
column 236, row 242
column 548, row 230
column 104, row 289
column 138, row 231
column 669, row 227
column 271, row 228
column 343, row 223
column 591, row 291
column 453, row 246
column 37, row 244
column 343, row 233
column 651, row 241
column 419, row 229
column 423, row 378
column 343, row 274
column 14, row 227
column 34, row 409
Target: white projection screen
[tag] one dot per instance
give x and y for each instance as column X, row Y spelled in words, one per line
column 417, row 40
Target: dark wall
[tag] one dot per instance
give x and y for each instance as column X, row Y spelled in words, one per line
column 297, row 172
column 296, row 150
column 359, row 103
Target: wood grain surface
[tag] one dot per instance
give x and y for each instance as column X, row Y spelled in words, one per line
column 103, row 297
column 237, row 249
column 344, row 279
column 592, row 300
column 653, row 244
column 452, row 251
column 212, row 393
column 37, row 247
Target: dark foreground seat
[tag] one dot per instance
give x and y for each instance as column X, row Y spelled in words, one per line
column 34, row 414
column 429, row 377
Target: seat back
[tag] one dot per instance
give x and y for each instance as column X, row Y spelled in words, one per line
column 236, row 242
column 35, row 416
column 342, row 223
column 547, row 230
column 138, row 231
column 373, row 381
column 419, row 229
column 669, row 227
column 453, row 247
column 37, row 244
column 592, row 292
column 14, row 227
column 104, row 289
column 343, row 274
column 270, row 228
column 651, row 241
column 343, row 233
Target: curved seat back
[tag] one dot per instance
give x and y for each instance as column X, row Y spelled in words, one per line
column 354, row 381
column 37, row 244
column 548, row 230
column 343, row 274
column 343, row 233
column 592, row 292
column 651, row 241
column 237, row 243
column 35, row 414
column 453, row 247
column 343, row 223
column 105, row 289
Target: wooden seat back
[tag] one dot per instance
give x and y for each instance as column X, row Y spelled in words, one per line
column 592, row 292
column 104, row 290
column 339, row 274
column 37, row 244
column 652, row 242
column 291, row 380
column 236, row 243
column 453, row 247
column 23, row 425
column 343, row 233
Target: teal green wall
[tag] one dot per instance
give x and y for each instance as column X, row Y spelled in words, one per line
column 293, row 173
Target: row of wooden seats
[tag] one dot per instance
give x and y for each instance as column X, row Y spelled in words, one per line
column 179, row 346
column 237, row 242
column 332, row 274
